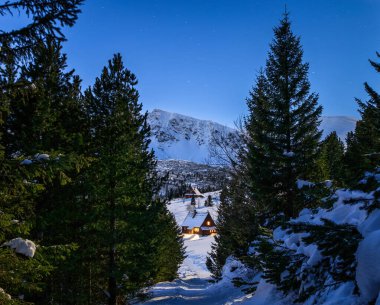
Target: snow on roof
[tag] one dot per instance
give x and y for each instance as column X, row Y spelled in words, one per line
column 194, row 191
column 197, row 192
column 194, row 219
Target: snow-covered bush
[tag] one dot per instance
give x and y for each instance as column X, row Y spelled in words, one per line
column 329, row 255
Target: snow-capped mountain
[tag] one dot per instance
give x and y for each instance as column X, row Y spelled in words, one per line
column 341, row 124
column 180, row 137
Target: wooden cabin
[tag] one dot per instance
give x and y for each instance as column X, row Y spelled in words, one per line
column 194, row 192
column 198, row 223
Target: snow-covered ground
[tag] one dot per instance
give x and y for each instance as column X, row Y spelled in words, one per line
column 350, row 208
column 194, row 265
column 193, row 285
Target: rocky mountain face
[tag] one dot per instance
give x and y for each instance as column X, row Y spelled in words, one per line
column 179, row 137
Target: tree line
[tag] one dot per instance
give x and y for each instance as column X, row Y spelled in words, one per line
column 78, row 179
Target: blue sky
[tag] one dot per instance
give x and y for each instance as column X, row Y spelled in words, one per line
column 201, row 57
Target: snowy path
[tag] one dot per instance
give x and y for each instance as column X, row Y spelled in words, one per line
column 194, row 291
column 193, row 286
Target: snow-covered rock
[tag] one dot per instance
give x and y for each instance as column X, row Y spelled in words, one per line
column 22, row 246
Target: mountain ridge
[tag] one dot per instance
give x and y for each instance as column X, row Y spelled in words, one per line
column 181, row 137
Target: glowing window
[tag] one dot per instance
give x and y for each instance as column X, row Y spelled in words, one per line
column 196, row 230
column 208, row 223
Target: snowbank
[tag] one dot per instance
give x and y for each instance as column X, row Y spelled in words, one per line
column 350, row 208
column 368, row 269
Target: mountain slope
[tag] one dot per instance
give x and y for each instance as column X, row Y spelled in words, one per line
column 180, row 137
column 341, row 124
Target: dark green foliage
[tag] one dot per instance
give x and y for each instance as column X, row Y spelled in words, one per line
column 330, row 159
column 280, row 147
column 364, row 144
column 170, row 250
column 314, row 195
column 369, row 184
column 45, row 21
column 45, row 115
column 282, row 126
column 127, row 223
column 91, row 204
column 292, row 273
column 39, row 110
column 237, row 226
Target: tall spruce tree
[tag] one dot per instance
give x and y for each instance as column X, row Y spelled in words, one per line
column 282, row 126
column 364, row 144
column 280, row 147
column 127, row 215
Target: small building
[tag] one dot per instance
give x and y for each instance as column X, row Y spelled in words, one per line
column 194, row 192
column 198, row 223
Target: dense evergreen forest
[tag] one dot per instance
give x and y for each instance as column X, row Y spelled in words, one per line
column 81, row 221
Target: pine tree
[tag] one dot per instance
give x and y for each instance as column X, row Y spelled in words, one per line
column 282, row 126
column 43, row 116
column 32, row 80
column 208, row 202
column 330, row 159
column 19, row 275
column 192, row 200
column 237, row 224
column 45, row 20
column 364, row 144
column 122, row 191
column 280, row 147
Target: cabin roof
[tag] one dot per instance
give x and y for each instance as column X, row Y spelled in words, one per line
column 195, row 219
column 194, row 191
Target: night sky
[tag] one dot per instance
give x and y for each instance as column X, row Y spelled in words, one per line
column 201, row 57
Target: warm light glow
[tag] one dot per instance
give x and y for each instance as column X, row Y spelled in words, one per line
column 208, row 223
column 196, row 230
